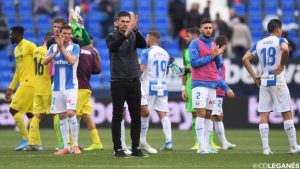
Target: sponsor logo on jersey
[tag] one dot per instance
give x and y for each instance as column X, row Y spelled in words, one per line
column 61, row 62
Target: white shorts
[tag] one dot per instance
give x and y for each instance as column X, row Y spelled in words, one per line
column 158, row 103
column 204, row 97
column 276, row 98
column 144, row 99
column 63, row 101
column 219, row 107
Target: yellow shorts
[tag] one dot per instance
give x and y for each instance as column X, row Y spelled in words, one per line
column 23, row 99
column 41, row 104
column 84, row 105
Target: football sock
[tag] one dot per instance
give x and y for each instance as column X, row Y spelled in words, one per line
column 194, row 130
column 208, row 129
column 144, row 129
column 95, row 137
column 64, row 128
column 166, row 123
column 74, row 129
column 264, row 134
column 219, row 126
column 33, row 132
column 21, row 125
column 291, row 132
column 200, row 131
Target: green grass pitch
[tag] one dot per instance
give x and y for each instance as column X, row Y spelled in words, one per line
column 247, row 153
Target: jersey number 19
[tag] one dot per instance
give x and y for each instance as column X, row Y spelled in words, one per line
column 160, row 67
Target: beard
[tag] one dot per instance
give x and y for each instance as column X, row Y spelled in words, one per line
column 13, row 41
column 207, row 36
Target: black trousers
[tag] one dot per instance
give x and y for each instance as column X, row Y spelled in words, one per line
column 129, row 91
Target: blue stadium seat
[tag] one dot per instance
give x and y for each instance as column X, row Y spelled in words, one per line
column 288, row 12
column 271, row 7
column 161, row 11
column 254, row 3
column 11, row 21
column 27, row 21
column 161, row 3
column 288, row 4
column 8, row 10
column 270, row 11
column 239, row 9
column 127, row 5
column 287, row 20
column 105, row 65
column 95, row 82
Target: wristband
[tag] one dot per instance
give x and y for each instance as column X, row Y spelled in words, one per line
column 183, row 88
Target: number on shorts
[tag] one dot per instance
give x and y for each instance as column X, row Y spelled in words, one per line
column 198, row 95
column 219, row 103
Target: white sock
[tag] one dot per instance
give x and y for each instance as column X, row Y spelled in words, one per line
column 123, row 132
column 78, row 122
column 208, row 129
column 200, row 128
column 144, row 129
column 74, row 129
column 219, row 126
column 166, row 123
column 264, row 134
column 291, row 132
column 64, row 128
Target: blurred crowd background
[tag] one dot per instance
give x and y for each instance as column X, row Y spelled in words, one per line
column 243, row 22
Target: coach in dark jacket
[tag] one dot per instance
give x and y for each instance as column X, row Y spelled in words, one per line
column 125, row 84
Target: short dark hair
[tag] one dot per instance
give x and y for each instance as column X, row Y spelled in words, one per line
column 193, row 30
column 204, row 21
column 273, row 25
column 65, row 27
column 48, row 36
column 221, row 40
column 60, row 20
column 123, row 13
column 18, row 29
column 154, row 34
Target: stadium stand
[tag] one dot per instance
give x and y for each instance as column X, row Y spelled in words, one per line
column 153, row 15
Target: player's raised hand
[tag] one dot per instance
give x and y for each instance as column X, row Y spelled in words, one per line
column 230, row 93
column 59, row 41
column 8, row 95
column 184, row 95
column 278, row 70
column 217, row 51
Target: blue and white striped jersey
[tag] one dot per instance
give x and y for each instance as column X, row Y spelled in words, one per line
column 65, row 76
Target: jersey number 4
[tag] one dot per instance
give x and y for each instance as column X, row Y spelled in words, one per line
column 39, row 67
column 269, row 56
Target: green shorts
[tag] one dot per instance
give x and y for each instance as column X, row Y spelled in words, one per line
column 188, row 104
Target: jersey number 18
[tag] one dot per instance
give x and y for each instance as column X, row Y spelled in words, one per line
column 269, row 56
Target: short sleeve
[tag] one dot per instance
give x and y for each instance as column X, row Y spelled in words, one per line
column 76, row 50
column 283, row 40
column 253, row 49
column 144, row 57
column 50, row 50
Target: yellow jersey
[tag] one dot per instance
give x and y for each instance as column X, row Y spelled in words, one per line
column 42, row 73
column 24, row 64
